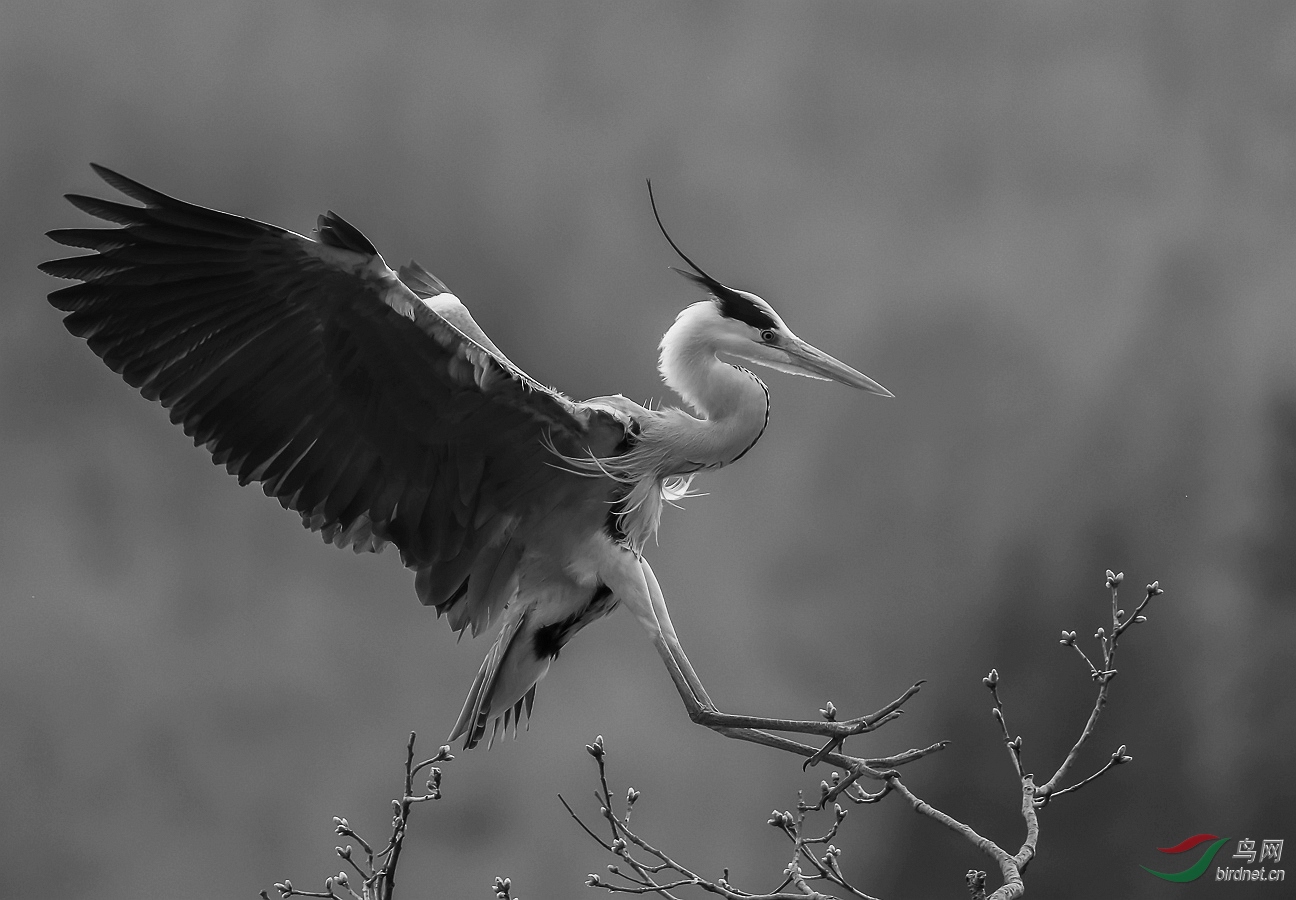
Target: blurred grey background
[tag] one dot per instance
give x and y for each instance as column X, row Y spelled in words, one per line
column 1062, row 233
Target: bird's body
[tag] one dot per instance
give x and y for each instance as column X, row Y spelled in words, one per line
column 373, row 405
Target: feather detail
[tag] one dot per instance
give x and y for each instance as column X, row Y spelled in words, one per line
column 654, row 474
column 502, row 664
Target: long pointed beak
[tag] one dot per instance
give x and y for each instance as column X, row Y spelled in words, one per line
column 816, row 363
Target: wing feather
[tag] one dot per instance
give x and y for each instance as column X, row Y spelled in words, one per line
column 377, row 410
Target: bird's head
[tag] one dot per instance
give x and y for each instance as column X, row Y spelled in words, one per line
column 743, row 326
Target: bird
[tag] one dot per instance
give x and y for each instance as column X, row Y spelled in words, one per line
column 369, row 402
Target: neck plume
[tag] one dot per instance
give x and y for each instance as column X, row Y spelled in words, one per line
column 732, row 409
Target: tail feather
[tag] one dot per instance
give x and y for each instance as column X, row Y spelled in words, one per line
column 516, row 711
column 505, row 684
column 528, row 700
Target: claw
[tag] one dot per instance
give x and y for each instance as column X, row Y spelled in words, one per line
column 832, row 745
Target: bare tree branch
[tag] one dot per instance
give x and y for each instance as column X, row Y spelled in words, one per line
column 378, row 872
column 809, row 875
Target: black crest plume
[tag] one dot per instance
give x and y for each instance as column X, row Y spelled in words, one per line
column 701, row 277
column 732, row 304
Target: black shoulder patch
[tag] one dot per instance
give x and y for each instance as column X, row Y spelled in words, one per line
column 549, row 639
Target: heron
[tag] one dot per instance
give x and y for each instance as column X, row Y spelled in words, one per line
column 369, row 402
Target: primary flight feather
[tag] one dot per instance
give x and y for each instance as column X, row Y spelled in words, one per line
column 370, row 403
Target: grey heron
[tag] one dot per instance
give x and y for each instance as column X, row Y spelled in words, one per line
column 369, row 402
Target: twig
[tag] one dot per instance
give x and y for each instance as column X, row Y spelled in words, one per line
column 644, row 877
column 1117, row 758
column 1103, row 677
column 378, row 874
column 1014, row 744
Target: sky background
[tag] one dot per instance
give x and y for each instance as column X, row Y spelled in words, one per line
column 1062, row 233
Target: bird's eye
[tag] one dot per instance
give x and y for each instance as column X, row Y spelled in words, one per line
column 769, row 336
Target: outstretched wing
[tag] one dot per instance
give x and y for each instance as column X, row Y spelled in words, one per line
column 375, row 408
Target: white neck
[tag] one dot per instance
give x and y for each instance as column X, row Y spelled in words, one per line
column 732, row 403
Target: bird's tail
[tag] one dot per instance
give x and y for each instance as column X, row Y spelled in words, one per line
column 505, row 684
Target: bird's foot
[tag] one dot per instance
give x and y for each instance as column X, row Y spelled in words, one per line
column 858, row 725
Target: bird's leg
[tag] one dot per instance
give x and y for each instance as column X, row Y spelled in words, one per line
column 635, row 585
column 700, row 710
column 668, row 645
column 703, row 711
